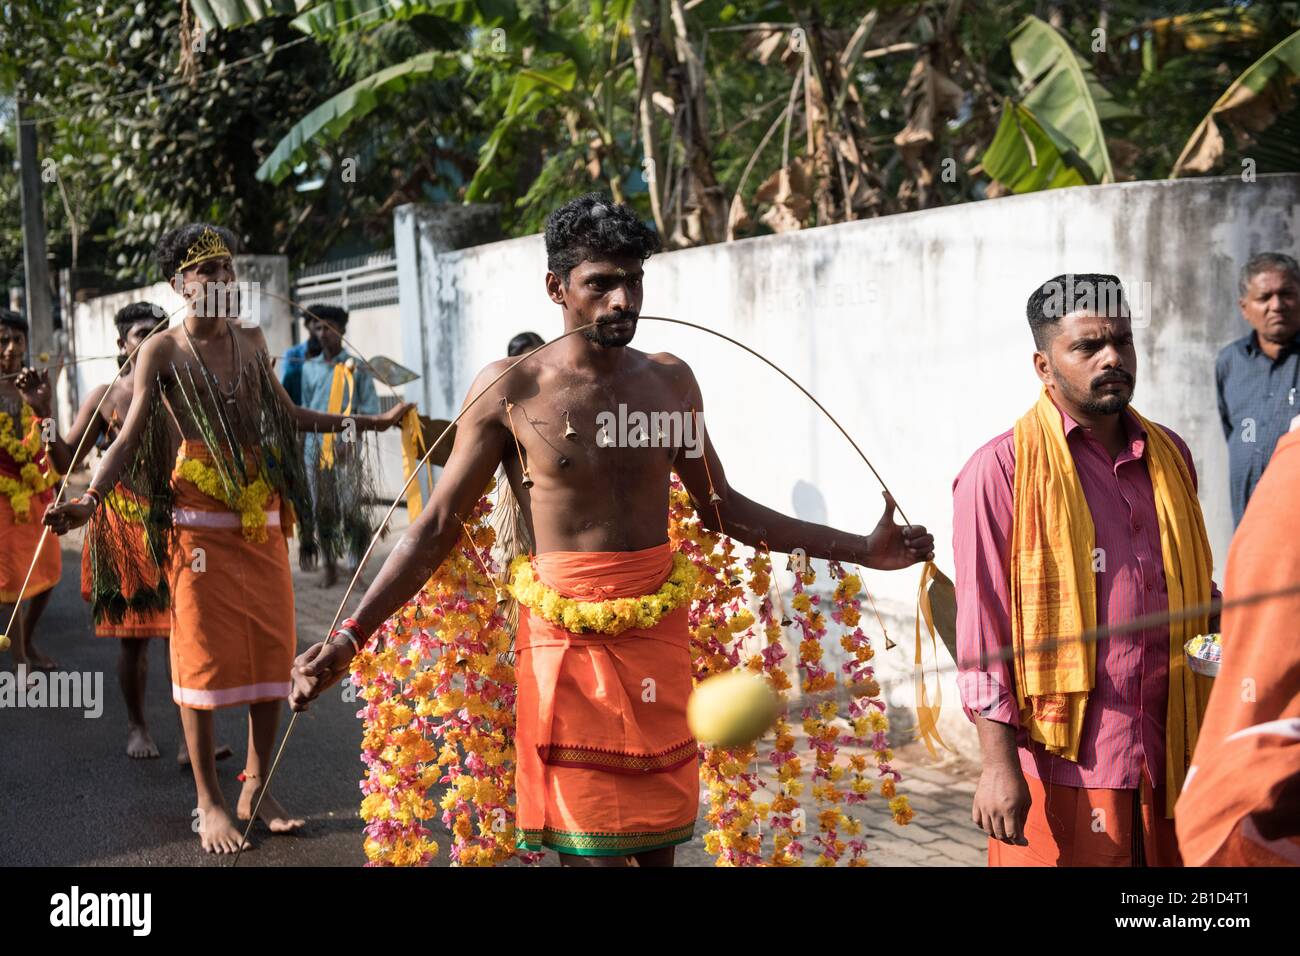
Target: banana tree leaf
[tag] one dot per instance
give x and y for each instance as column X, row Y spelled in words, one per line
column 1066, row 98
column 340, row 17
column 529, row 94
column 1250, row 105
column 1205, row 31
column 228, row 14
column 1025, row 156
column 329, row 120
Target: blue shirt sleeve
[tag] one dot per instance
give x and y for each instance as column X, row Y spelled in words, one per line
column 291, row 372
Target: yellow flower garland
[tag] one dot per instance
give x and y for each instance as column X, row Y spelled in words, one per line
column 604, row 617
column 22, row 451
column 126, row 507
column 250, row 499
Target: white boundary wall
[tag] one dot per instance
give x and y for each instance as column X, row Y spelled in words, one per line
column 910, row 329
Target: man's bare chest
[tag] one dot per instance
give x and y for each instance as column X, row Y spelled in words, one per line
column 575, row 431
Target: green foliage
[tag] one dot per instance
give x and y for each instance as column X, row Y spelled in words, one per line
column 527, row 102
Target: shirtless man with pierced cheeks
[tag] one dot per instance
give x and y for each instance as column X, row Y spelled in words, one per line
column 584, row 497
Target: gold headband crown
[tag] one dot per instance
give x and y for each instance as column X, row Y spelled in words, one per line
column 209, row 245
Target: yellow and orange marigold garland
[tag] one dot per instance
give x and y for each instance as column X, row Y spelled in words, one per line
column 440, row 710
column 867, row 708
column 33, row 478
column 439, row 676
column 719, row 625
column 719, row 621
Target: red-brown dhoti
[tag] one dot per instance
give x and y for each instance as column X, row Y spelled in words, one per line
column 1075, row 826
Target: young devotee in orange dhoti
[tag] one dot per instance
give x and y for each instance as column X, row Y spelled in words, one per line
column 607, row 768
column 30, row 465
column 118, row 612
column 219, row 512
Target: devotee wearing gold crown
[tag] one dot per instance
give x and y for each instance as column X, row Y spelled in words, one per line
column 605, row 774
column 215, row 519
column 30, row 467
column 1083, row 515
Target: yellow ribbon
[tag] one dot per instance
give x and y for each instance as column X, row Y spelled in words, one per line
column 927, row 714
column 413, row 449
column 343, row 380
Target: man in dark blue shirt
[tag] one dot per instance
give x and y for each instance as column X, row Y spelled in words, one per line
column 1258, row 375
column 291, row 370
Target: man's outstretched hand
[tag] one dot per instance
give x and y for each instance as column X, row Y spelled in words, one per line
column 392, row 417
column 62, row 518
column 891, row 546
column 314, row 670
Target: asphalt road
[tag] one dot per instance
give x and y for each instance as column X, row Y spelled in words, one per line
column 73, row 797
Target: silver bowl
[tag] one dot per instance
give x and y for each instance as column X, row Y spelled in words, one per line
column 1201, row 665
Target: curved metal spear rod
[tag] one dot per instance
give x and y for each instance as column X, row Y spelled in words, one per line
column 414, row 471
column 364, row 361
column 62, row 365
column 807, row 394
column 293, row 719
column 63, row 485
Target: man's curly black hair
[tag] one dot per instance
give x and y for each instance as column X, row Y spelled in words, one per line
column 1096, row 292
column 171, row 249
column 595, row 227
column 334, row 314
column 128, row 316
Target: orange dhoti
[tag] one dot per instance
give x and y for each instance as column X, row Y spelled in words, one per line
column 232, row 626
column 123, row 511
column 18, row 543
column 606, row 764
column 1074, row 826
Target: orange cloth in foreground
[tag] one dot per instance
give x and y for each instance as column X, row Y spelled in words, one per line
column 232, row 627
column 606, row 764
column 1075, row 826
column 1241, row 803
column 143, row 573
column 18, row 541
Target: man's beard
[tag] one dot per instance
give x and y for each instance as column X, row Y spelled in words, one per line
column 606, row 337
column 1109, row 403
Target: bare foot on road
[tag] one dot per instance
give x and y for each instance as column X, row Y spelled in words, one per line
column 217, row 831
column 38, row 661
column 275, row 817
column 183, row 755
column 139, row 745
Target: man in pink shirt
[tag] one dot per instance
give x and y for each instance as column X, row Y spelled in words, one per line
column 1109, row 806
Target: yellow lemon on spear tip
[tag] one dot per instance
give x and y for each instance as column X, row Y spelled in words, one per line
column 731, row 709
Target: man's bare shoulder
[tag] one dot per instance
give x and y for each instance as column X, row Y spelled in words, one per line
column 96, row 394
column 251, row 335
column 160, row 348
column 671, row 366
column 497, row 379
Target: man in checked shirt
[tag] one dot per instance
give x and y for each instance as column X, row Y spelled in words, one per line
column 1258, row 375
column 1083, row 515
